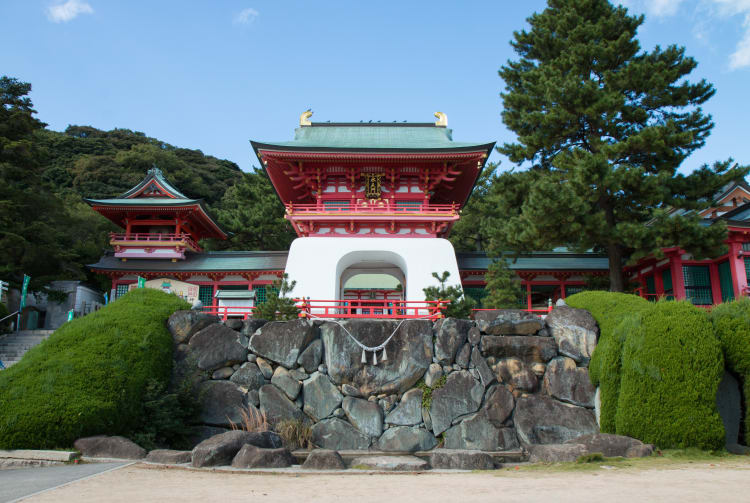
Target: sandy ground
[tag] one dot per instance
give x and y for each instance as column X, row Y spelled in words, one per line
column 698, row 482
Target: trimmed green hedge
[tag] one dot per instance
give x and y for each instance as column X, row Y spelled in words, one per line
column 616, row 313
column 731, row 322
column 89, row 377
column 671, row 368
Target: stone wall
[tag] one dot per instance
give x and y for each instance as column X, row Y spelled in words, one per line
column 506, row 379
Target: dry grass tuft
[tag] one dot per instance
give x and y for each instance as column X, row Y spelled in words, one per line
column 251, row 420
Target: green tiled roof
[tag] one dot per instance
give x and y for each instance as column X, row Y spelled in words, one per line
column 207, row 261
column 366, row 136
column 538, row 261
column 155, row 174
column 145, row 201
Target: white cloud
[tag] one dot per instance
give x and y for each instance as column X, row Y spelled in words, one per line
column 740, row 58
column 64, row 12
column 245, row 16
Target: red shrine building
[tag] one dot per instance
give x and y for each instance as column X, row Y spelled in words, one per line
column 372, row 205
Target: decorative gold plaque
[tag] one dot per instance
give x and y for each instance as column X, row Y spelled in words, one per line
column 373, row 185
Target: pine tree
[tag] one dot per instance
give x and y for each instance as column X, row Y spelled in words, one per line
column 459, row 306
column 278, row 305
column 503, row 287
column 603, row 128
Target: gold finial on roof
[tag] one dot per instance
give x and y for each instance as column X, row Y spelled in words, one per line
column 304, row 119
column 442, row 119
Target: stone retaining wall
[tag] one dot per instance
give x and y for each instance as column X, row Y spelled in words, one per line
column 506, row 379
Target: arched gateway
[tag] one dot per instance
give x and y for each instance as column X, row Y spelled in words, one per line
column 371, row 199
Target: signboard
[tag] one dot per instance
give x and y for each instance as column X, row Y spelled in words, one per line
column 373, row 188
column 106, row 298
column 187, row 291
column 24, row 291
column 70, row 315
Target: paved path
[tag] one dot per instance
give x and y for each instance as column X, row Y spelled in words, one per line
column 20, row 482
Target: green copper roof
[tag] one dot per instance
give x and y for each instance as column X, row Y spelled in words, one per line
column 367, row 136
column 538, row 261
column 156, row 175
column 207, row 261
column 145, row 201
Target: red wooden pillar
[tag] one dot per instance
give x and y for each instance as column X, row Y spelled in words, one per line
column 127, row 228
column 713, row 270
column 737, row 267
column 562, row 288
column 678, row 281
column 658, row 282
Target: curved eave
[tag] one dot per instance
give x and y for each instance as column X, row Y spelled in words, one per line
column 271, row 147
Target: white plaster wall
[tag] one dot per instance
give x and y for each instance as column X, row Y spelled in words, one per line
column 316, row 263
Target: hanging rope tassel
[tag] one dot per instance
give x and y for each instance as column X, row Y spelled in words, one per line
column 364, row 356
column 374, row 358
column 384, row 358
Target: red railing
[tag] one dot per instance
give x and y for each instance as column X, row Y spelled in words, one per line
column 376, row 308
column 224, row 312
column 146, row 237
column 384, row 206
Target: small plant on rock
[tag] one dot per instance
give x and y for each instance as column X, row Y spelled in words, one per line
column 295, row 434
column 251, row 419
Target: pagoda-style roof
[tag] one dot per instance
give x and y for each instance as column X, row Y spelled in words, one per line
column 205, row 262
column 558, row 260
column 155, row 193
column 377, row 137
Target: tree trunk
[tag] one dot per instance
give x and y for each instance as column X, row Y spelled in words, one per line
column 616, row 279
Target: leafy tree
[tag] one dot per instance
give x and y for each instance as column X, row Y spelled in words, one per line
column 605, row 127
column 503, row 287
column 278, row 304
column 468, row 234
column 460, row 306
column 254, row 214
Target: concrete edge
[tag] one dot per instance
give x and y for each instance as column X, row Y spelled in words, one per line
column 39, row 455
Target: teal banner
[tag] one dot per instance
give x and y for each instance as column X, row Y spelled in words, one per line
column 70, row 315
column 24, row 291
column 141, row 282
column 106, row 299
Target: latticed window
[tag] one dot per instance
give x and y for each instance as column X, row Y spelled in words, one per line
column 409, row 205
column 666, row 281
column 260, row 294
column 747, row 269
column 336, row 205
column 121, row 290
column 476, row 293
column 206, row 294
column 725, row 281
column 650, row 286
column 573, row 289
column 698, row 284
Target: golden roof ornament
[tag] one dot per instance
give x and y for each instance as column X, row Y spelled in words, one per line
column 304, row 119
column 442, row 119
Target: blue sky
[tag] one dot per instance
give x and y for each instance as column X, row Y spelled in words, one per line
column 211, row 75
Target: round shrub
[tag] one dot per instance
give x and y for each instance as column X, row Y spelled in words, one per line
column 672, row 364
column 731, row 322
column 89, row 377
column 616, row 314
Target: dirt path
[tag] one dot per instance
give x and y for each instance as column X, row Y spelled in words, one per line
column 699, row 482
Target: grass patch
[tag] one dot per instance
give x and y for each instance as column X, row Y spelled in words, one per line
column 427, row 391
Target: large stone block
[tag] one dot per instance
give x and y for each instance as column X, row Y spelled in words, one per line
column 321, row 396
column 338, row 435
column 221, row 403
column 461, row 394
column 249, row 326
column 250, row 456
column 484, row 318
column 406, row 439
column 575, row 332
column 248, row 376
column 169, row 456
column 102, row 446
column 514, row 372
column 391, row 463
column 566, row 382
column 283, row 341
column 310, row 358
column 474, row 433
column 277, row 407
column 366, row 416
column 498, row 405
column 285, row 382
column 541, row 420
column 451, row 459
column 323, row 459
column 409, row 354
column 409, row 410
column 220, row 449
column 612, row 445
column 530, row 348
column 450, row 336
column 556, row 453
column 184, row 324
column 217, row 346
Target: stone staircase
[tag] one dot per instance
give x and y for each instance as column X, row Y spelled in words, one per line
column 13, row 346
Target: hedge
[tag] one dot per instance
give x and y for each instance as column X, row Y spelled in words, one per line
column 89, row 377
column 731, row 323
column 615, row 313
column 672, row 364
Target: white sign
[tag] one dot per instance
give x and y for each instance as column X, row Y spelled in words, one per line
column 187, row 291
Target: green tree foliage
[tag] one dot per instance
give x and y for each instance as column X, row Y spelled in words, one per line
column 731, row 321
column 279, row 305
column 468, row 234
column 255, row 216
column 604, row 127
column 90, row 377
column 503, row 287
column 460, row 306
